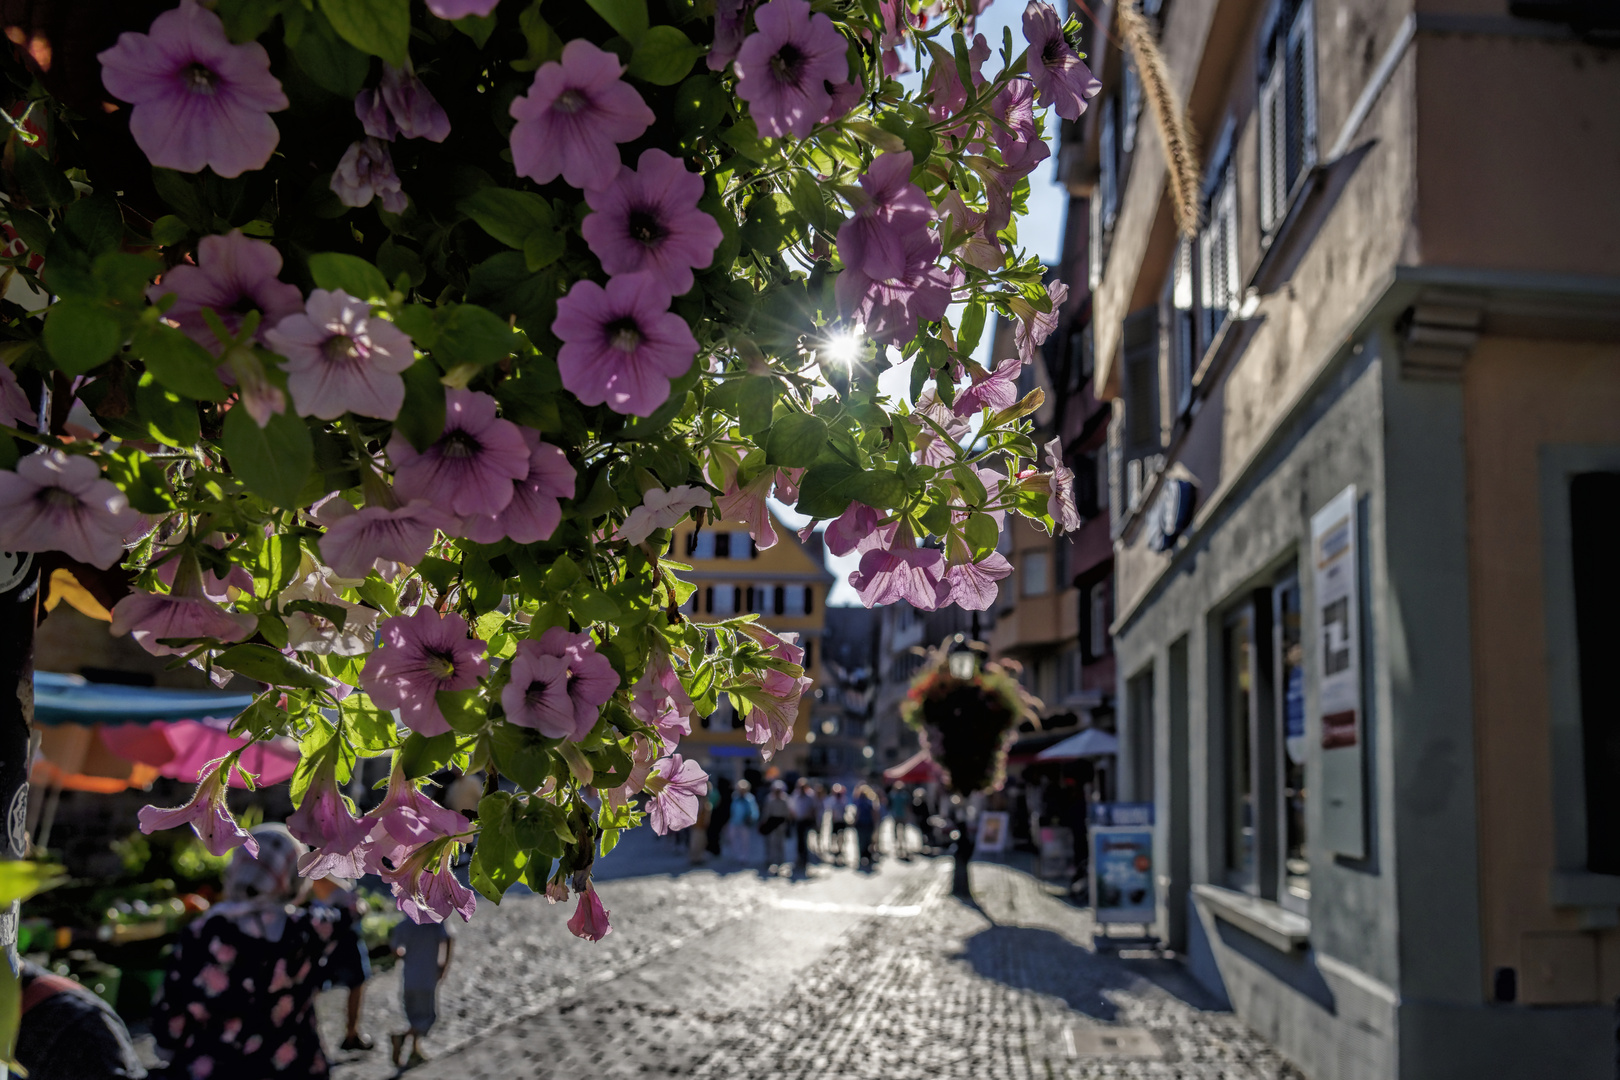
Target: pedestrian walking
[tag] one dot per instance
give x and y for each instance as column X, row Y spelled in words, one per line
column 866, row 822
column 744, row 819
column 806, row 815
column 837, row 809
column 720, row 810
column 424, row 949
column 899, row 813
column 350, row 963
column 773, row 825
column 239, row 996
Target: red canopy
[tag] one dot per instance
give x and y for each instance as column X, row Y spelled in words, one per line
column 917, row 769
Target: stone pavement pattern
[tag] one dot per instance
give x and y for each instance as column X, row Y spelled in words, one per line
column 843, row 977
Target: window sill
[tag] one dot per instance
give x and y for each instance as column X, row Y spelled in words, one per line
column 1272, row 923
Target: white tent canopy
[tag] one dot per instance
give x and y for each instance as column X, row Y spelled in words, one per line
column 1088, row 743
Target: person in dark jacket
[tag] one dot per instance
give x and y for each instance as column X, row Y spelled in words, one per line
column 68, row 1033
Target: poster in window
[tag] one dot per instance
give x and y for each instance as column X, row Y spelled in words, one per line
column 1333, row 549
column 993, row 831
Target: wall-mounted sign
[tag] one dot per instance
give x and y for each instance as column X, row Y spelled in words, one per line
column 1336, row 657
column 1171, row 513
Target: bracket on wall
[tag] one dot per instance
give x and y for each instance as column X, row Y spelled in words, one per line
column 1437, row 335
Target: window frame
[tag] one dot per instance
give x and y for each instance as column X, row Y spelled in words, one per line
column 1287, row 56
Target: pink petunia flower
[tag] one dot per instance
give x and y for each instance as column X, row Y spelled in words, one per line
column 893, row 568
column 783, row 68
column 622, row 345
column 971, row 585
column 15, row 411
column 590, row 919
column 60, row 502
column 1061, row 78
column 846, row 531
column 932, row 448
column 207, row 815
column 356, row 539
column 948, row 96
column 184, row 613
column 199, row 101
column 661, row 509
column 534, row 512
column 730, row 27
column 1017, row 135
column 980, row 246
column 216, row 588
column 874, row 240
column 558, row 685
column 325, row 822
column 676, row 787
column 659, row 699
column 648, row 219
column 780, row 646
column 1032, row 330
column 366, row 172
column 406, row 821
column 372, row 112
column 416, row 112
column 470, row 470
column 232, row 275
column 341, row 358
column 845, row 96
column 310, row 632
column 255, row 393
column 995, row 390
column 1060, row 504
column 889, row 308
column 574, row 116
column 773, row 708
column 426, row 889
column 460, row 9
column 419, row 656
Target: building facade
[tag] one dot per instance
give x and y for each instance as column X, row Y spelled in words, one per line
column 786, row 585
column 1364, row 451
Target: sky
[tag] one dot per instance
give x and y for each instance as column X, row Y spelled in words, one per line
column 1040, row 232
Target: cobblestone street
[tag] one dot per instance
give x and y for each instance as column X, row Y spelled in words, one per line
column 718, row 972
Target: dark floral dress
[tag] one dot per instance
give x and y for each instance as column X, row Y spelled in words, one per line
column 238, row 1006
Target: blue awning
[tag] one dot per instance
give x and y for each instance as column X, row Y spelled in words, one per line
column 69, row 699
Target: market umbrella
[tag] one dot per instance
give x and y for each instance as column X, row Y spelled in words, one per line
column 1091, row 742
column 917, row 769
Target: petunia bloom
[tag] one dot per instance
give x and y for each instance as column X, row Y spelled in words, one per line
column 995, row 390
column 976, row 242
column 312, row 632
column 184, row 612
column 233, row 274
column 372, row 112
column 890, row 307
column 968, row 584
column 783, row 68
column 199, row 101
column 730, row 27
column 661, row 509
column 559, row 685
column 846, row 531
column 676, row 787
column 405, row 821
column 622, row 345
column 659, row 699
column 341, row 358
column 590, row 919
column 947, row 95
column 1034, row 327
column 419, row 656
column 470, row 469
column 894, row 568
column 207, row 815
column 56, row 501
column 416, row 112
column 1061, row 78
column 426, row 889
column 648, row 219
column 325, row 821
column 1060, row 504
column 773, row 708
column 460, row 9
column 895, row 210
column 749, row 503
column 574, row 116
column 400, row 534
column 366, row 172
column 15, row 410
column 1017, row 134
column 534, row 512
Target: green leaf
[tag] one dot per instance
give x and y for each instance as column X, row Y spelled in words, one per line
column 590, row 604
column 277, row 564
column 81, row 335
column 421, row 756
column 982, row 534
column 481, row 585
column 700, row 104
column 273, row 461
column 179, row 362
column 42, row 183
column 543, row 43
column 469, row 334
column 266, row 665
column 125, row 276
column 464, row 710
column 379, row 27
column 141, row 479
column 178, row 190
column 663, row 56
column 370, row 730
column 477, row 27
column 20, row 880
column 823, row 492
column 772, row 223
column 877, row 487
column 749, row 399
column 967, row 338
column 522, row 754
column 628, row 17
column 165, row 415
column 507, row 215
column 542, row 248
column 34, row 230
column 498, row 861
column 796, row 440
column 350, row 273
column 330, row 61
column 421, row 418
column 809, row 201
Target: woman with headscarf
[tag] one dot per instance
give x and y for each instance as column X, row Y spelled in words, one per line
column 238, row 1002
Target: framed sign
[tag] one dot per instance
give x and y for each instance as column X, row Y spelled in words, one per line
column 993, row 832
column 1336, row 575
column 1122, row 874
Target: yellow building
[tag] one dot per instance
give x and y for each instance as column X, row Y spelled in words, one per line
column 786, row 585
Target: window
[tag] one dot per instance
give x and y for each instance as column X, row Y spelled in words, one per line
column 1140, row 342
column 1037, row 565
column 1108, row 163
column 1139, row 701
column 724, row 599
column 1290, row 684
column 1594, row 505
column 722, row 545
column 1217, row 257
column 1096, row 614
column 1287, row 107
column 742, row 545
column 700, row 545
column 1238, row 664
column 1181, row 328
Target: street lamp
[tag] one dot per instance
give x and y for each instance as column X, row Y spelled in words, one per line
column 962, row 660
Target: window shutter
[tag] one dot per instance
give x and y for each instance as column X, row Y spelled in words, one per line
column 809, row 600
column 1273, row 187
column 778, row 599
column 1141, row 344
column 1301, row 89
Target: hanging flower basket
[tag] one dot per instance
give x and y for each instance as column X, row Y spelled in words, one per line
column 967, row 725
